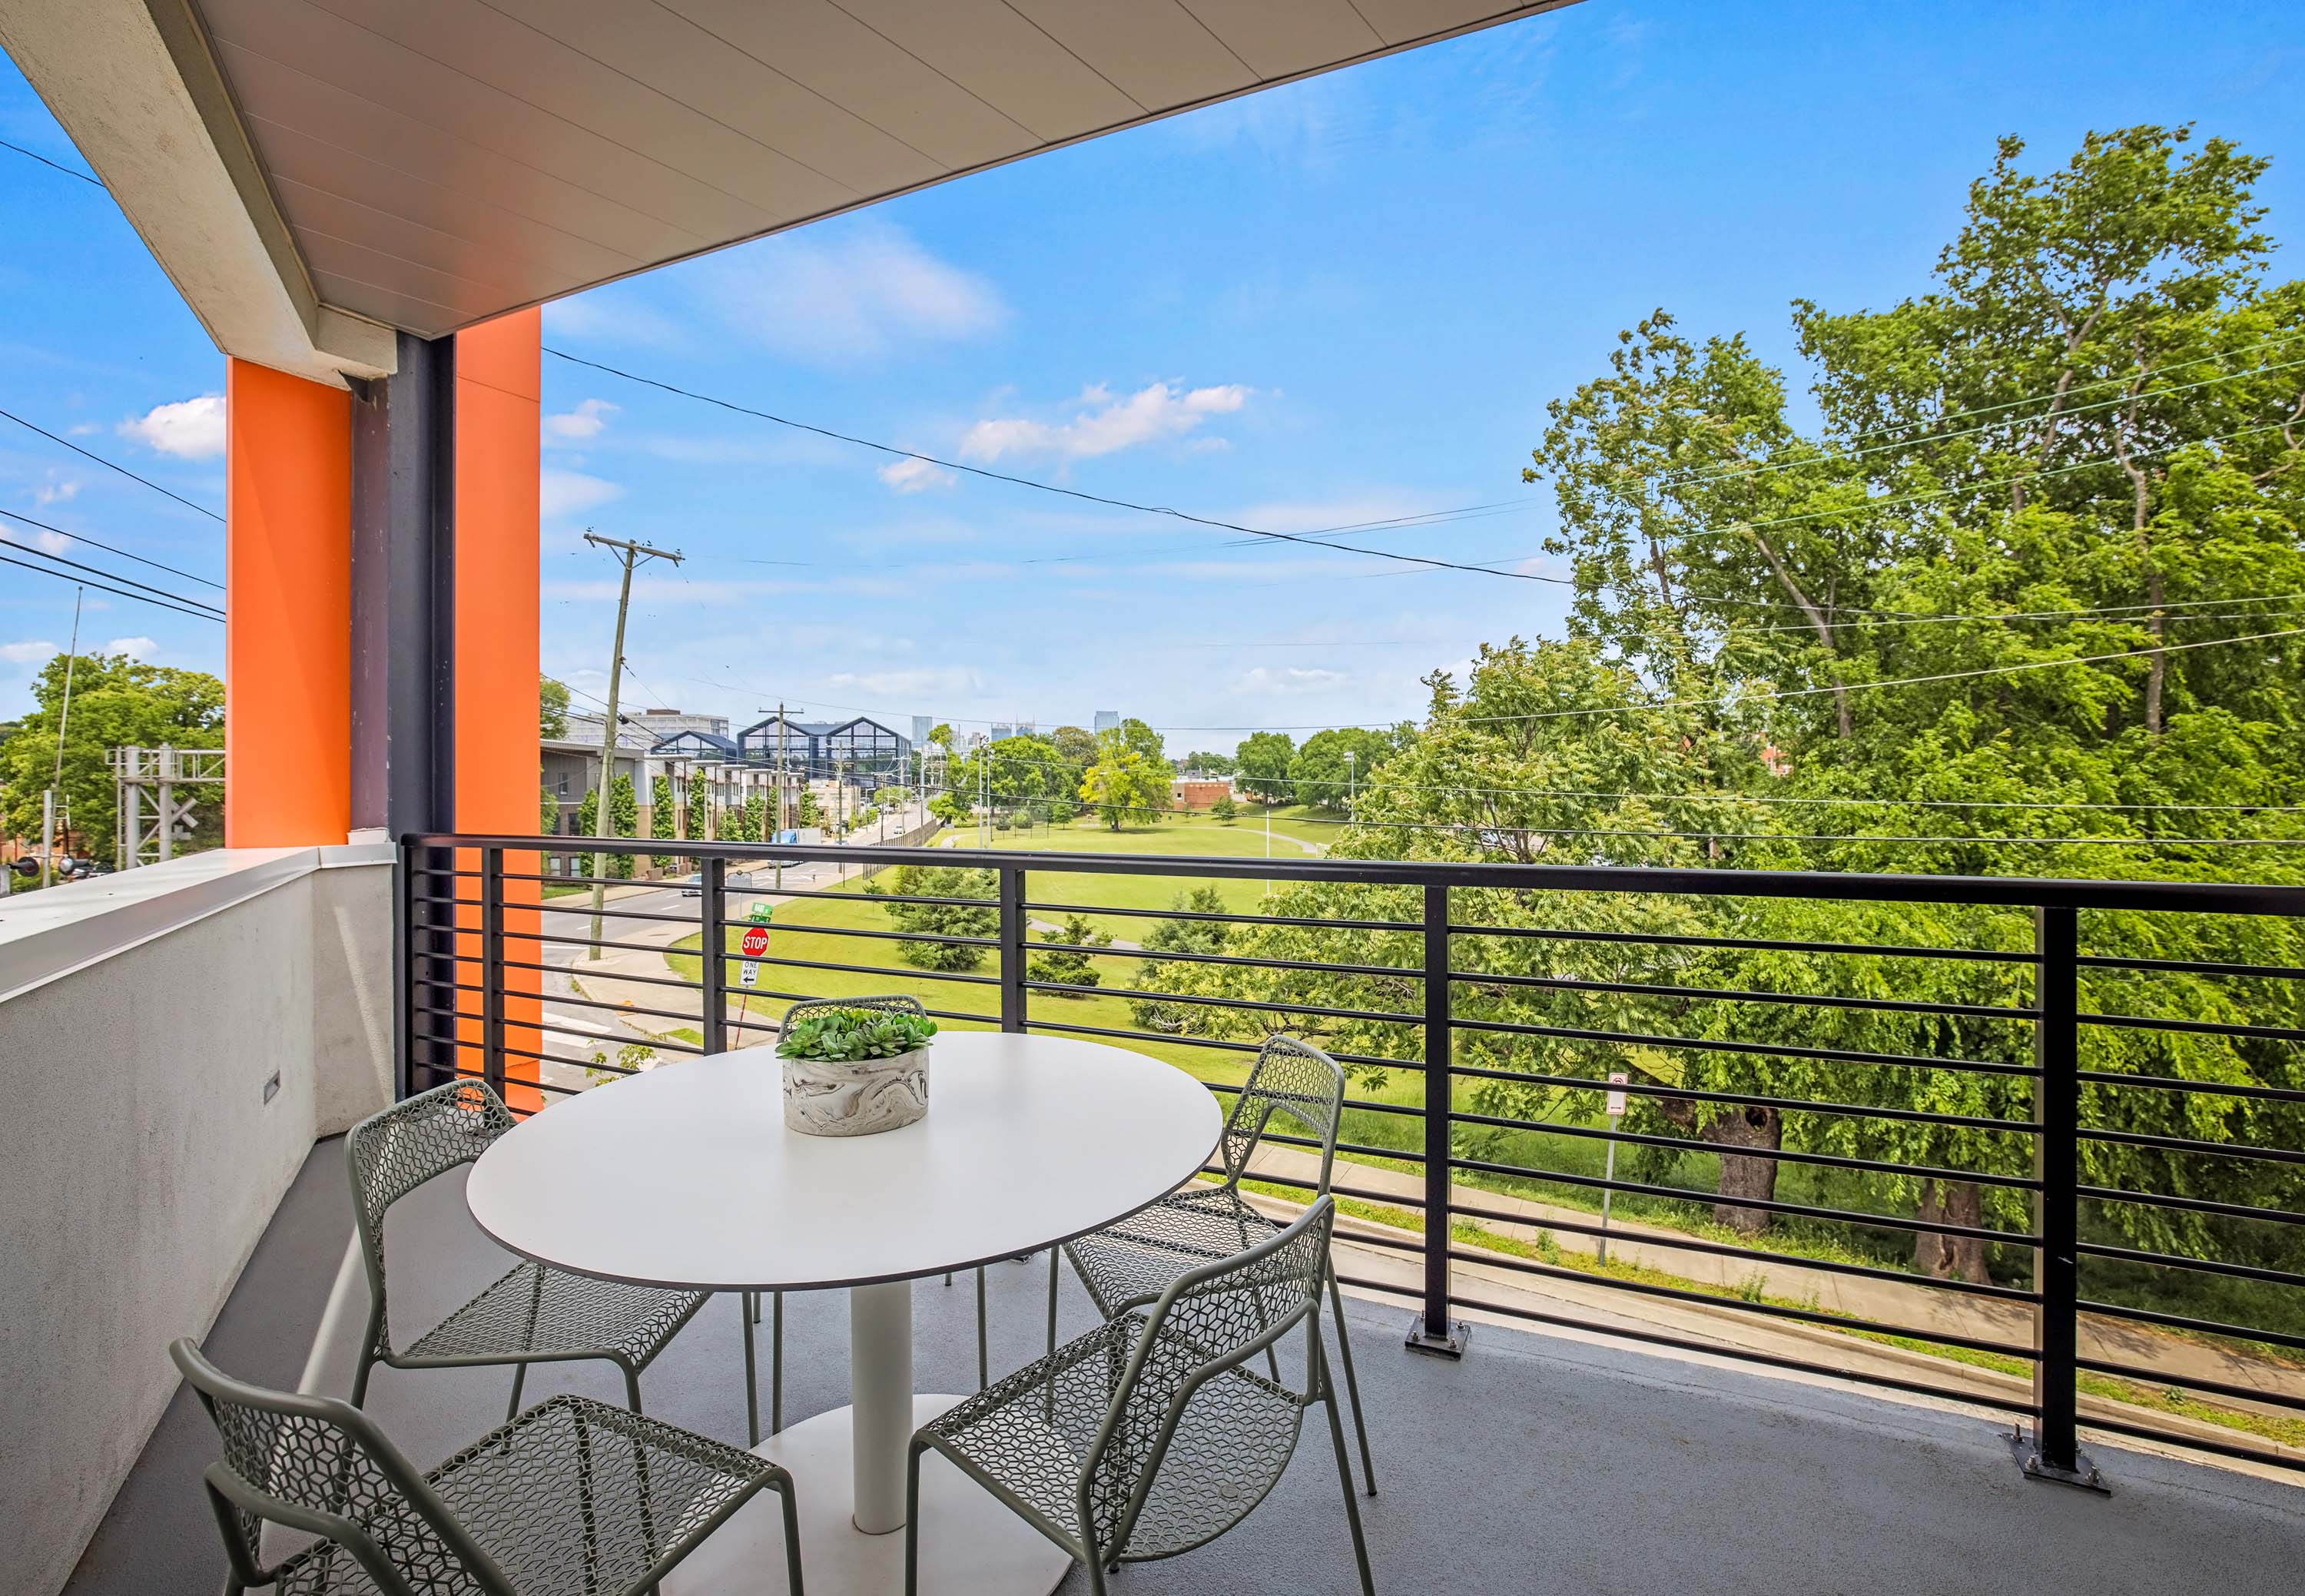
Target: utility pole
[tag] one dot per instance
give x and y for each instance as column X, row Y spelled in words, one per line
column 632, row 554
column 780, row 791
column 56, row 782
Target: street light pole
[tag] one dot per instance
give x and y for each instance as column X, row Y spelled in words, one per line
column 631, row 553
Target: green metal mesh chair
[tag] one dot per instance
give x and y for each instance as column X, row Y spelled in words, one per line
column 792, row 1015
column 533, row 1314
column 1151, row 1435
column 572, row 1497
column 1131, row 1263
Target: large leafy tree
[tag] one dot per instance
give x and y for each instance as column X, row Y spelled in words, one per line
column 1262, row 760
column 116, row 702
column 1126, row 783
column 551, row 707
column 1334, row 764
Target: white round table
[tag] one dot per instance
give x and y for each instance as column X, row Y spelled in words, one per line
column 686, row 1176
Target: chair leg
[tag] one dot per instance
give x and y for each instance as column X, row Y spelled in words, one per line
column 359, row 1375
column 792, row 1540
column 584, row 1505
column 912, row 1520
column 632, row 1386
column 752, row 1379
column 519, row 1379
column 776, row 1364
column 982, row 1379
column 1056, row 1256
column 1344, row 1463
column 1352, row 1383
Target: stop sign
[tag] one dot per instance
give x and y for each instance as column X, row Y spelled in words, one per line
column 756, row 941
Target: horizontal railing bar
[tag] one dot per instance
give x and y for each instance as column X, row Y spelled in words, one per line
column 1226, row 918
column 1371, row 1104
column 1674, row 1293
column 1764, row 1204
column 1374, row 971
column 594, row 1002
column 2178, row 1260
column 1766, row 1360
column 2192, row 1205
column 865, row 970
column 1745, row 1100
column 1782, row 1154
column 655, row 1044
column 2177, row 1321
column 2193, row 967
column 2163, row 1376
column 2188, row 1144
column 1839, row 1055
column 1680, row 1242
column 574, row 970
column 1761, row 944
column 1365, row 1283
column 1721, row 994
column 1375, row 1016
column 2144, row 1432
column 1386, row 1199
column 942, row 939
column 2206, row 1028
column 1987, row 891
column 2172, row 1083
column 435, row 983
column 1413, row 1066
column 435, row 898
column 750, row 1022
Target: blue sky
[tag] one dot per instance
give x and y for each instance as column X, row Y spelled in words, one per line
column 1341, row 301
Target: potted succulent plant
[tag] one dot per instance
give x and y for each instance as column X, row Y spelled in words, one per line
column 855, row 1071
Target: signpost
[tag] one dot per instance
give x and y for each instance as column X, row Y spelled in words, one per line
column 1616, row 1078
column 754, row 947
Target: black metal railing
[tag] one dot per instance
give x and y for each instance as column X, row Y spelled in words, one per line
column 1508, row 997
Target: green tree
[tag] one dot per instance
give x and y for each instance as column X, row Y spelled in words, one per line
column 1202, row 764
column 700, row 806
column 949, row 807
column 1124, row 783
column 623, row 819
column 806, row 810
column 1225, row 810
column 1264, row 761
column 977, row 918
column 660, row 816
column 1068, row 961
column 757, row 823
column 547, row 812
column 116, row 701
column 551, row 707
column 1321, row 777
column 1177, row 936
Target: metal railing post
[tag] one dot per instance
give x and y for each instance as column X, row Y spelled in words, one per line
column 713, row 908
column 1432, row 1330
column 1013, row 943
column 404, row 959
column 493, row 969
column 2055, row 1451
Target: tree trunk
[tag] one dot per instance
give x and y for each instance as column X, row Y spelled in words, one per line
column 1950, row 1257
column 1746, row 1177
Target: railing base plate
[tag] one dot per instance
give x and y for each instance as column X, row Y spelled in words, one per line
column 1451, row 1345
column 2082, row 1476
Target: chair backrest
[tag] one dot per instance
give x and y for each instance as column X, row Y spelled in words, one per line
column 322, row 1466
column 392, row 1153
column 818, row 1005
column 1293, row 1081
column 1210, row 1320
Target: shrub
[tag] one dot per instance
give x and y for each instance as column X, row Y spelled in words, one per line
column 1178, row 937
column 941, row 920
column 1068, row 962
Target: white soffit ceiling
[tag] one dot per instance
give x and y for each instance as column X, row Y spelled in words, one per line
column 438, row 162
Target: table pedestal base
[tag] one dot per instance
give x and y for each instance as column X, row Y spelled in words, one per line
column 971, row 1544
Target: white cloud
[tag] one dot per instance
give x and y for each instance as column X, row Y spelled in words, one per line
column 46, row 543
column 941, row 681
column 614, row 315
column 575, row 426
column 28, row 652
column 852, row 296
column 571, row 493
column 1104, row 424
column 913, row 475
column 56, row 490
column 135, row 648
column 189, row 429
column 1289, row 681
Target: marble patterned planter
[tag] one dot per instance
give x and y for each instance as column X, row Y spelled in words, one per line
column 856, row 1097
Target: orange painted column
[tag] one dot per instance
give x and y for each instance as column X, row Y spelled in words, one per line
column 500, row 404
column 288, row 610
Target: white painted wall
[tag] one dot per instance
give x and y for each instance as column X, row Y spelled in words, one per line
column 139, row 1160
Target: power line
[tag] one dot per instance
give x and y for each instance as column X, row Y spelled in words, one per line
column 123, row 593
column 56, row 165
column 82, row 537
column 116, row 577
column 110, row 464
column 1742, row 698
column 1026, row 482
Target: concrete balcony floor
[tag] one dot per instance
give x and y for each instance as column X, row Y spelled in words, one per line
column 1538, row 1464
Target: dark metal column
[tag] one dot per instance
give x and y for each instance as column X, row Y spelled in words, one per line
column 1433, row 1331
column 2055, row 1452
column 1013, row 943
column 712, row 906
column 493, row 969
